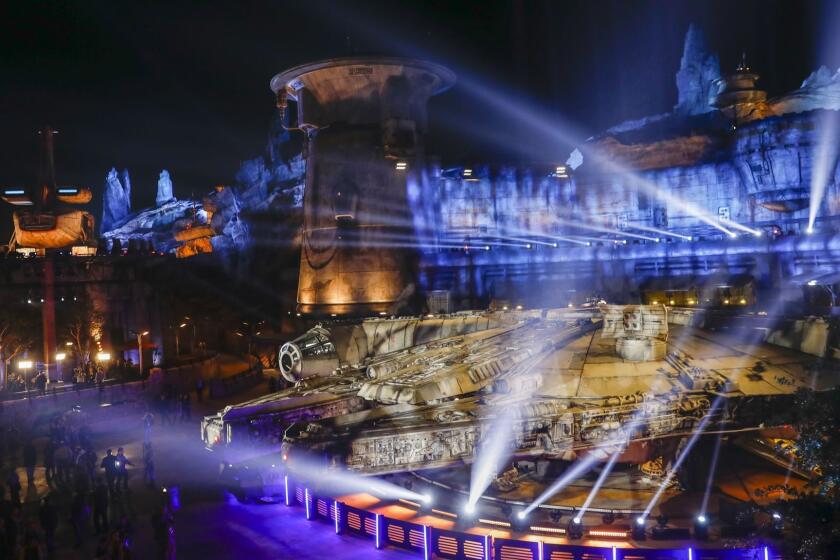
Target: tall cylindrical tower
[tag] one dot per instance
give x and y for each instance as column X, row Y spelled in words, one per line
column 365, row 122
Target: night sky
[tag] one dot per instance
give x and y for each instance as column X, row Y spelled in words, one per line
column 184, row 85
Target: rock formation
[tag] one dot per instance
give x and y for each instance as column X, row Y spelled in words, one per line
column 820, row 90
column 698, row 70
column 126, row 183
column 164, row 189
column 116, row 204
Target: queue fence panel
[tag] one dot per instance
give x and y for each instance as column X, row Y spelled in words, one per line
column 403, row 534
column 511, row 549
column 455, row 545
column 359, row 522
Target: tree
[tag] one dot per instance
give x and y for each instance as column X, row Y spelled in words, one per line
column 82, row 324
column 812, row 518
column 18, row 333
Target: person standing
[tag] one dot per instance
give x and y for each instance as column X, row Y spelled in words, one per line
column 148, row 422
column 49, row 462
column 100, row 507
column 148, row 465
column 48, row 515
column 89, row 464
column 185, row 408
column 13, row 482
column 30, row 457
column 109, row 464
column 122, row 469
column 64, row 462
column 199, row 389
column 79, row 518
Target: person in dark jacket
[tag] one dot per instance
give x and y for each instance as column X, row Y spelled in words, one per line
column 48, row 515
column 30, row 457
column 122, row 469
column 100, row 507
column 13, row 482
column 110, row 466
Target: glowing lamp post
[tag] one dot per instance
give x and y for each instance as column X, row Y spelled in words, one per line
column 140, row 336
column 59, row 362
column 25, row 366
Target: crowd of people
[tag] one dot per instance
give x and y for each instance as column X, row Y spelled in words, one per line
column 89, row 373
column 86, row 493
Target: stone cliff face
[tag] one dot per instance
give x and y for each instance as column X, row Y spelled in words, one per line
column 698, row 71
column 116, row 204
column 820, row 90
column 265, row 186
column 757, row 173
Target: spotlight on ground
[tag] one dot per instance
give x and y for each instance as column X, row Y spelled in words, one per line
column 520, row 521
column 638, row 529
column 575, row 529
column 777, row 525
column 701, row 528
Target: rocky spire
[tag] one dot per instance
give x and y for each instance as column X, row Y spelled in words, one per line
column 698, row 70
column 115, row 205
column 126, row 183
column 164, row 190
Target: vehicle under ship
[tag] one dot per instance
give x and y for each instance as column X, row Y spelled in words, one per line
column 383, row 396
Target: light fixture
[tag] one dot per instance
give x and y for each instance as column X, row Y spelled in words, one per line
column 401, row 166
column 467, row 172
column 812, row 282
column 68, row 344
column 60, row 356
column 103, row 356
column 25, row 364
